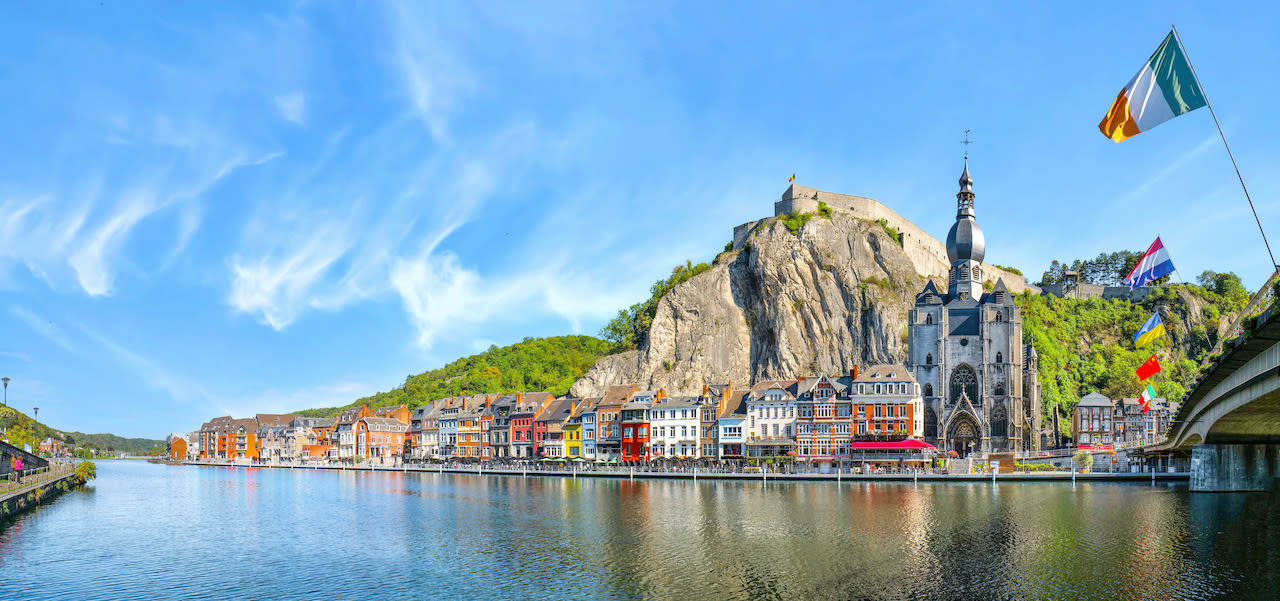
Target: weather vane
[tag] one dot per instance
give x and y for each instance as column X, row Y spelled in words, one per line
column 966, row 143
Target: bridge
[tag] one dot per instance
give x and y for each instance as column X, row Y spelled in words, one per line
column 1229, row 422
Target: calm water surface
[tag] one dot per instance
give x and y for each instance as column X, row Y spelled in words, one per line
column 143, row 531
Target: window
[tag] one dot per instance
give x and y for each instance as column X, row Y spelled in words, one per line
column 877, row 389
column 764, row 431
column 964, row 383
column 775, row 430
column 644, row 430
column 928, row 360
column 785, row 431
column 999, row 315
column 964, row 273
column 842, row 411
column 928, row 319
column 999, row 356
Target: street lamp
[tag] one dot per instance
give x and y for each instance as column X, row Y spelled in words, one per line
column 6, row 390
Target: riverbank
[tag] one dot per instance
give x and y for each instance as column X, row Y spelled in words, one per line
column 34, row 489
column 625, row 473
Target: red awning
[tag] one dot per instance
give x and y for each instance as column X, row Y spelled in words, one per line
column 893, row 447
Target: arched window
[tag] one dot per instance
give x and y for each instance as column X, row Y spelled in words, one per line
column 928, row 318
column 928, row 359
column 928, row 390
column 1000, row 389
column 930, row 424
column 999, row 357
column 964, row 273
column 964, row 381
column 999, row 316
column 999, row 423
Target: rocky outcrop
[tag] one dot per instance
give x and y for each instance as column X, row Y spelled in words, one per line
column 783, row 304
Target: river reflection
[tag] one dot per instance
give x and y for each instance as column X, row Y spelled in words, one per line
column 145, row 531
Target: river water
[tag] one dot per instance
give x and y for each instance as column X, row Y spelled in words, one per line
column 143, row 531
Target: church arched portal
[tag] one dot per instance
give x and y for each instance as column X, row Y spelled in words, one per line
column 965, row 436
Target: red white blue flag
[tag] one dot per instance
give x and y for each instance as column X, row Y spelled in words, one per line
column 1153, row 265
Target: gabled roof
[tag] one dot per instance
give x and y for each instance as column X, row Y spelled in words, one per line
column 349, row 416
column 1094, row 399
column 586, row 405
column 885, row 373
column 615, row 396
column 385, row 424
column 923, row 298
column 557, row 411
column 736, row 405
column 313, row 422
column 271, row 420
column 763, row 386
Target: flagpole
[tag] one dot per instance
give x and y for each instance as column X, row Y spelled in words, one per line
column 1274, row 265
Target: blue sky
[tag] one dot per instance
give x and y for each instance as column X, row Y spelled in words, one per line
column 212, row 208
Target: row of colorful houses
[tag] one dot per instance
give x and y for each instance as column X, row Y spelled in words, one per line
column 830, row 419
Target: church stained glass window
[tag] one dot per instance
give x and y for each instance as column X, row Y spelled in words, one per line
column 963, row 380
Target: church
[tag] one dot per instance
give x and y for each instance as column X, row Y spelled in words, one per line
column 965, row 349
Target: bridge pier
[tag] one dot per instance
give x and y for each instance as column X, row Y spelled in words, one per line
column 1234, row 467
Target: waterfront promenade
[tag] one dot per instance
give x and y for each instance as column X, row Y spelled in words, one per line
column 594, row 471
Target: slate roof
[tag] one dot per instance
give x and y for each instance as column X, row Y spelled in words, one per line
column 385, row 424
column 885, row 373
column 736, row 406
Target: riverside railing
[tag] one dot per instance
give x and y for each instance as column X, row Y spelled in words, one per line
column 32, row 477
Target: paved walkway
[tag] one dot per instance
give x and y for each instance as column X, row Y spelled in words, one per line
column 763, row 476
column 56, row 473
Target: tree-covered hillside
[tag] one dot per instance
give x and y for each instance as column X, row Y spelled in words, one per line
column 551, row 364
column 21, row 430
column 1087, row 345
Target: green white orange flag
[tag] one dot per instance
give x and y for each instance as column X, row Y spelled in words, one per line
column 1145, row 398
column 1164, row 88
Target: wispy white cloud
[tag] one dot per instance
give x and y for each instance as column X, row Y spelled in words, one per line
column 293, row 107
column 176, row 386
column 435, row 80
column 46, row 328
column 15, row 355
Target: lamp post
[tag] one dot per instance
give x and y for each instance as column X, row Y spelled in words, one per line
column 35, row 428
column 6, row 390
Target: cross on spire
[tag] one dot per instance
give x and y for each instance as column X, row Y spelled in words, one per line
column 966, row 143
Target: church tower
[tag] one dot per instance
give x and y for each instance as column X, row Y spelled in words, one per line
column 965, row 349
column 966, row 246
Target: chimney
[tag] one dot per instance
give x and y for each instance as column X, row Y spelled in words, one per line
column 853, row 373
column 519, row 397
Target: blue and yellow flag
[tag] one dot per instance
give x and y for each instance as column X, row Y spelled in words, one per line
column 1150, row 331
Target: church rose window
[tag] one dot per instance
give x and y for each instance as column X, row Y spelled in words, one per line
column 963, row 381
column 999, row 423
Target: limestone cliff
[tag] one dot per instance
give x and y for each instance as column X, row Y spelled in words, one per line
column 782, row 304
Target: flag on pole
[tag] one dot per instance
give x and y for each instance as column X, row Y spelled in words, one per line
column 793, row 178
column 1148, row 368
column 1164, row 88
column 1145, row 398
column 1153, row 329
column 1153, row 265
